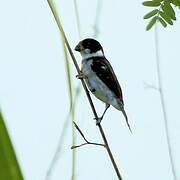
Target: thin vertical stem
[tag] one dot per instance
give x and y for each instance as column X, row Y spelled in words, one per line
column 163, row 104
column 72, row 110
column 57, row 152
column 61, row 140
column 77, row 18
column 73, row 107
column 97, row 18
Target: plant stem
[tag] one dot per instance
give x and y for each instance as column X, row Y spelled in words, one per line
column 163, row 105
column 52, row 7
column 109, row 152
column 77, row 18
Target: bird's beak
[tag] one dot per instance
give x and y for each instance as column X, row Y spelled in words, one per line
column 78, row 48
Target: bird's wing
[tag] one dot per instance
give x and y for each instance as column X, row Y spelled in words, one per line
column 104, row 71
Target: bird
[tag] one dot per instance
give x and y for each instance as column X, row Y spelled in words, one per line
column 99, row 76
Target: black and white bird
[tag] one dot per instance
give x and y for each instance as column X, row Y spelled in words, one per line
column 99, row 76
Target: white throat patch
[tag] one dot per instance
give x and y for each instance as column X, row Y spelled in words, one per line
column 86, row 54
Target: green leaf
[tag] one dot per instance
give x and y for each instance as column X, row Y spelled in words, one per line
column 166, row 18
column 151, row 3
column 164, row 24
column 151, row 23
column 9, row 166
column 176, row 2
column 158, row 0
column 151, row 13
column 167, row 8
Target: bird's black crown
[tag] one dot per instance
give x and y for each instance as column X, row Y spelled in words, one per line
column 90, row 44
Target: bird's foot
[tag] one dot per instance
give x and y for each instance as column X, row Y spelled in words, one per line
column 98, row 120
column 80, row 76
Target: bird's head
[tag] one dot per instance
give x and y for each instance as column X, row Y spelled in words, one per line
column 89, row 47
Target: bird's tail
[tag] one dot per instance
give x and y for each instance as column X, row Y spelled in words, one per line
column 124, row 113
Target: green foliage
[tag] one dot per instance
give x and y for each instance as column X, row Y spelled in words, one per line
column 166, row 17
column 167, row 8
column 152, row 3
column 151, row 23
column 9, row 167
column 165, row 13
column 151, row 13
column 176, row 2
column 162, row 22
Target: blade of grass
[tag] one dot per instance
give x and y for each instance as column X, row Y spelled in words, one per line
column 71, row 115
column 72, row 112
column 77, row 19
column 72, row 104
column 163, row 104
column 76, row 95
column 9, row 166
column 97, row 18
column 58, row 151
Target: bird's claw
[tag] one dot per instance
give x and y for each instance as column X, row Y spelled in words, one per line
column 98, row 120
column 80, row 76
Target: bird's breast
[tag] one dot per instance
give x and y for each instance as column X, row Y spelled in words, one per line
column 95, row 85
